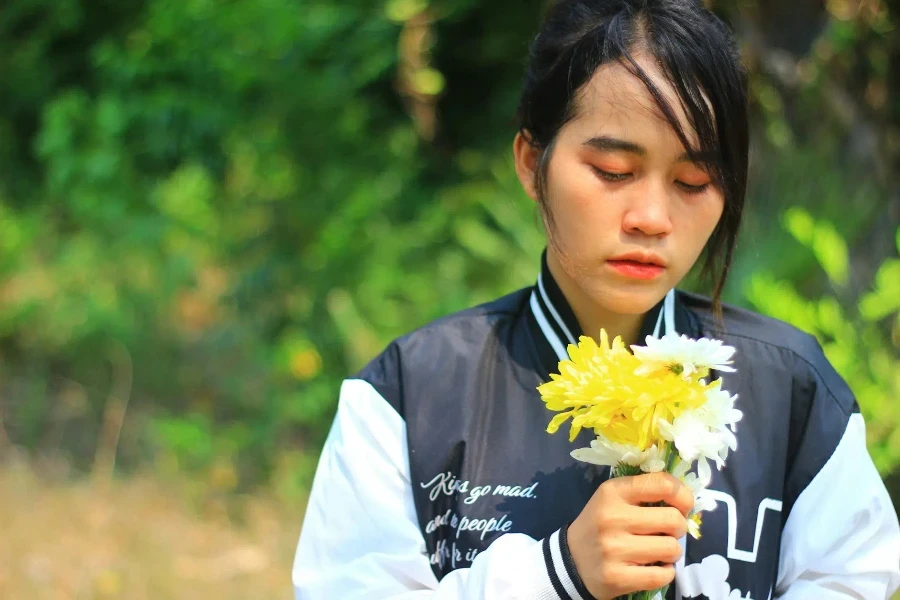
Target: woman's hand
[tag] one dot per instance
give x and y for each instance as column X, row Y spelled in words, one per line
column 616, row 542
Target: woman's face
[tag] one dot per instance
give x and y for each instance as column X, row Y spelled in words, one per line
column 630, row 212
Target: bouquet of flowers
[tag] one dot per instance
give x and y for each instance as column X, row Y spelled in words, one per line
column 651, row 410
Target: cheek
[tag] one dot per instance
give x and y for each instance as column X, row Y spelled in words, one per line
column 575, row 199
column 712, row 214
column 698, row 223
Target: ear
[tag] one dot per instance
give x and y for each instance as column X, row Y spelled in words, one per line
column 527, row 160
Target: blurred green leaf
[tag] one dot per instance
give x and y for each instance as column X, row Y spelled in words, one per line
column 240, row 195
column 831, row 252
column 800, row 224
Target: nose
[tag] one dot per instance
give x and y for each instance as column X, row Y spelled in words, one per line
column 648, row 211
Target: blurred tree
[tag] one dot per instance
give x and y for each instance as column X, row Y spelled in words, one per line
column 252, row 199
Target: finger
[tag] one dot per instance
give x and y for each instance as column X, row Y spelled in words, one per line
column 635, row 579
column 657, row 487
column 650, row 549
column 653, row 520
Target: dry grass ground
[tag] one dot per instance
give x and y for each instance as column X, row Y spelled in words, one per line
column 138, row 539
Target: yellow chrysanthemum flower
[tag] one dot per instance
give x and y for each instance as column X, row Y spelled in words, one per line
column 694, row 523
column 598, row 388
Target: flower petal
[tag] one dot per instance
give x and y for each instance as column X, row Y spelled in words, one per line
column 593, row 457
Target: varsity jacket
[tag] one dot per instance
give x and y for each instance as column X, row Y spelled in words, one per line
column 438, row 479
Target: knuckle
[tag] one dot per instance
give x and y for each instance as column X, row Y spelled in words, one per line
column 682, row 501
column 609, row 489
column 674, row 521
column 607, row 547
column 606, row 574
column 668, row 480
column 604, row 521
column 674, row 551
column 662, row 576
column 672, row 484
column 660, row 479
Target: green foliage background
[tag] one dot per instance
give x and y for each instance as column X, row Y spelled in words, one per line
column 210, row 213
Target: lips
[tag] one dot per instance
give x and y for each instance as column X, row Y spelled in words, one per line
column 638, row 265
column 645, row 258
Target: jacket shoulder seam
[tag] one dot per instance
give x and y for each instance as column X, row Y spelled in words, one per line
column 847, row 411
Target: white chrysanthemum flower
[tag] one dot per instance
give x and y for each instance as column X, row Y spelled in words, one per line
column 719, row 412
column 695, row 441
column 683, row 355
column 606, row 453
column 703, row 500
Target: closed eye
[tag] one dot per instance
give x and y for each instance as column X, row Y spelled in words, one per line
column 692, row 189
column 614, row 177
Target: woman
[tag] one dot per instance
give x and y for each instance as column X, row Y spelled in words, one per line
column 438, row 479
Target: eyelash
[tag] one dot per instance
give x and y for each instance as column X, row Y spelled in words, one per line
column 692, row 189
column 619, row 177
column 613, row 177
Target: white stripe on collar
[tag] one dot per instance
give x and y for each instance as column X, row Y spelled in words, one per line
column 551, row 336
column 553, row 311
column 666, row 315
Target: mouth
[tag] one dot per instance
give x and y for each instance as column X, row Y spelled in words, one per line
column 638, row 265
column 644, row 258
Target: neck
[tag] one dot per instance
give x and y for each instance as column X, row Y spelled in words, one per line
column 590, row 315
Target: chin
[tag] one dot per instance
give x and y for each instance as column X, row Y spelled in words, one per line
column 630, row 301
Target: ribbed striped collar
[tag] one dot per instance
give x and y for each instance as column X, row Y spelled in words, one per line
column 557, row 324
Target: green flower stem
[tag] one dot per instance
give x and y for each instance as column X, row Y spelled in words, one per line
column 645, row 595
column 623, row 470
column 671, row 458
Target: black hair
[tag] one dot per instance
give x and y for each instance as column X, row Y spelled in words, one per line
column 698, row 55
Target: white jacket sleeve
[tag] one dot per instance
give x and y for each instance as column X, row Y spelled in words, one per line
column 841, row 539
column 361, row 538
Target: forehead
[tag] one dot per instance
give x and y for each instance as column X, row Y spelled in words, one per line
column 614, row 100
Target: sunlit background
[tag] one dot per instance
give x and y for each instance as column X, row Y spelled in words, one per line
column 211, row 212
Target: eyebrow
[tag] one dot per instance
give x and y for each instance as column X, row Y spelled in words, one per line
column 605, row 143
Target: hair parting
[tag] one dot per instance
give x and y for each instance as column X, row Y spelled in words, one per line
column 697, row 54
